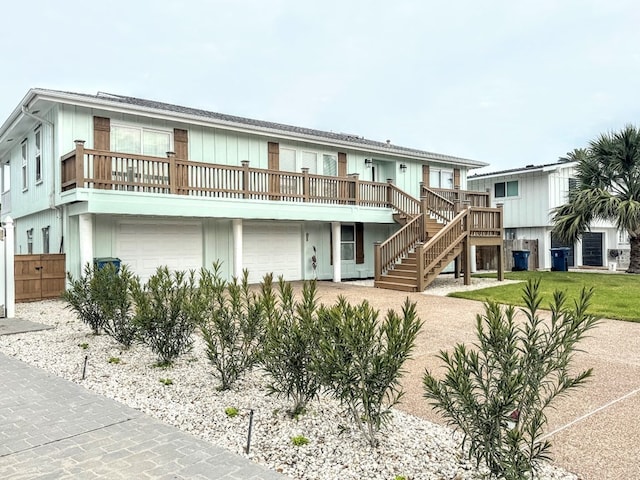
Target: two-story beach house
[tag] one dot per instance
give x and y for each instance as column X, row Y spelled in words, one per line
column 529, row 196
column 157, row 184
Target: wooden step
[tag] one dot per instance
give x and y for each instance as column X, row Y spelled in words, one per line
column 400, row 277
column 401, row 287
column 405, row 267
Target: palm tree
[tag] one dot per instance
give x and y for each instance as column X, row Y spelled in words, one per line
column 608, row 188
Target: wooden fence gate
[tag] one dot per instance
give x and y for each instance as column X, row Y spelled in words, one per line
column 39, row 277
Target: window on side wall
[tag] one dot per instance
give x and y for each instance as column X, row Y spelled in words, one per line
column 30, row 241
column 45, row 240
column 138, row 140
column 38, row 155
column 505, row 189
column 25, row 171
column 509, row 233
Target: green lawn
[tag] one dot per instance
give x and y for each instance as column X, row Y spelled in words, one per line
column 615, row 296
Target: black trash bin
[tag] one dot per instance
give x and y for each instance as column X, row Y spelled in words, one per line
column 100, row 262
column 560, row 259
column 520, row 260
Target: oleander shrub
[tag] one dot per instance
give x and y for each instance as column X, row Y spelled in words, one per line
column 164, row 312
column 359, row 359
column 231, row 321
column 102, row 299
column 290, row 342
column 496, row 392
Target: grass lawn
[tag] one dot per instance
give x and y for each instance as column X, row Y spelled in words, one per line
column 614, row 295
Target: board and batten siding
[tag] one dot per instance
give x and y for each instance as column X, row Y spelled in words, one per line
column 531, row 206
column 46, row 218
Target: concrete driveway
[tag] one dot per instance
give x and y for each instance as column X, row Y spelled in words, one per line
column 595, row 431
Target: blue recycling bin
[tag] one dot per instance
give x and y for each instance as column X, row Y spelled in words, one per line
column 100, row 262
column 520, row 260
column 560, row 259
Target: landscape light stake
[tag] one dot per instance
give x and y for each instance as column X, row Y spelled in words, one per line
column 249, row 434
column 84, row 368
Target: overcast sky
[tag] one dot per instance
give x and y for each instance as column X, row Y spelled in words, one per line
column 506, row 82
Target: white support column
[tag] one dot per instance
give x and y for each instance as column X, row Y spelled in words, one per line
column 236, row 227
column 474, row 266
column 85, row 237
column 335, row 248
column 9, row 264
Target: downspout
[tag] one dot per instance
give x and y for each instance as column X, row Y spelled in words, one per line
column 52, row 193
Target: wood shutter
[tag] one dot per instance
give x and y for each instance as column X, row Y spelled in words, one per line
column 101, row 133
column 181, row 143
column 342, row 164
column 456, row 178
column 359, row 231
column 425, row 175
column 274, row 164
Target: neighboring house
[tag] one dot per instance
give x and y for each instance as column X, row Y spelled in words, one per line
column 158, row 184
column 529, row 196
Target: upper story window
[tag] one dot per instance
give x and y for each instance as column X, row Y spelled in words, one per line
column 329, row 165
column 145, row 141
column 6, row 177
column 38, row 155
column 25, row 171
column 440, row 178
column 506, row 189
column 573, row 184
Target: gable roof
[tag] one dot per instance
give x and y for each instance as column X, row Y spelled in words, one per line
column 106, row 100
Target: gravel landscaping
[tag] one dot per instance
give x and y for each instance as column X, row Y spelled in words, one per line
column 409, row 447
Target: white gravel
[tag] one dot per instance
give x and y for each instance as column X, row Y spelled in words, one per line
column 410, row 447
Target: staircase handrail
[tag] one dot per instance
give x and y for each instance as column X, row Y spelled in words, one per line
column 403, row 203
column 438, row 206
column 443, row 242
column 398, row 245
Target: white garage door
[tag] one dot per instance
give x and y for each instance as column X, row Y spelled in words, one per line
column 272, row 248
column 146, row 246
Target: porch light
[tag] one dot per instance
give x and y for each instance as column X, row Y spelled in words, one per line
column 403, row 167
column 368, row 162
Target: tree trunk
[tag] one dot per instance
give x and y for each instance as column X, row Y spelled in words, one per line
column 634, row 255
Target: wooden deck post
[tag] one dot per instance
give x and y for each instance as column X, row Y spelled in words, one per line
column 467, row 259
column 305, row 184
column 245, row 178
column 355, row 177
column 501, row 244
column 419, row 267
column 79, row 163
column 173, row 172
column 377, row 261
column 389, row 193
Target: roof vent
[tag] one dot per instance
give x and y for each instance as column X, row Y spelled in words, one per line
column 530, row 166
column 388, row 143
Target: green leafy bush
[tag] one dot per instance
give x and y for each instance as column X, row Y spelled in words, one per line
column 290, row 342
column 496, row 393
column 102, row 299
column 81, row 298
column 164, row 313
column 359, row 359
column 231, row 322
column 112, row 290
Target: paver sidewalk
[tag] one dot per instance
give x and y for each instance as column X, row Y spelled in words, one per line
column 52, row 428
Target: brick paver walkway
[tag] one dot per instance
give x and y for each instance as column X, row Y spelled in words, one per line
column 51, row 429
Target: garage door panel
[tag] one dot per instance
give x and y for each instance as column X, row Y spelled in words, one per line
column 145, row 247
column 272, row 248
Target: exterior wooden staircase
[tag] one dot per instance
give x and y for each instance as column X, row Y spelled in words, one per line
column 436, row 231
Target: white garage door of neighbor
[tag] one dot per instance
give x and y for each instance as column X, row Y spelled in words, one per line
column 146, row 246
column 268, row 248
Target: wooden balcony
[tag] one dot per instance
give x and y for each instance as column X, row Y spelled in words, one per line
column 85, row 168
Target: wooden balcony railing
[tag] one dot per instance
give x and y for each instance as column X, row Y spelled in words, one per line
column 438, row 206
column 85, row 168
column 474, row 199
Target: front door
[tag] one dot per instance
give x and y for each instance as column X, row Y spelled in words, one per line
column 592, row 249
